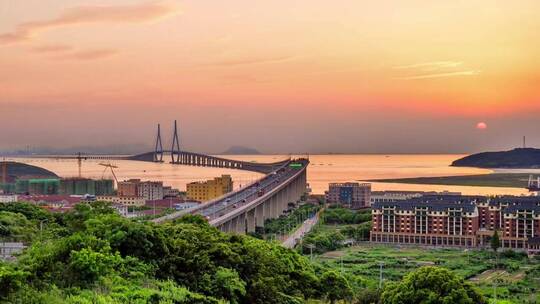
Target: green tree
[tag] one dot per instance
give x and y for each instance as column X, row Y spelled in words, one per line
column 495, row 241
column 335, row 286
column 226, row 284
column 10, row 280
column 431, row 285
column 16, row 227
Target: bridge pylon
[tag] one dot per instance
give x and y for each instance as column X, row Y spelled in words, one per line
column 175, row 150
column 158, row 150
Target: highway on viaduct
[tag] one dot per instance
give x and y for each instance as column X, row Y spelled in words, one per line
column 241, row 211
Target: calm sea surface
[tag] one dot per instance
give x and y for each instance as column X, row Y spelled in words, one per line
column 322, row 170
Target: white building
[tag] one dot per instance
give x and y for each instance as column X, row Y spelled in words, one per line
column 8, row 198
column 121, row 209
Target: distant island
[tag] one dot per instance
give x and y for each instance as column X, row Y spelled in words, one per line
column 240, row 150
column 520, row 158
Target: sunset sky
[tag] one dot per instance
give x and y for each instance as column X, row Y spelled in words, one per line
column 279, row 76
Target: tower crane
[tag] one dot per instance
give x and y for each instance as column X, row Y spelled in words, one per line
column 112, row 167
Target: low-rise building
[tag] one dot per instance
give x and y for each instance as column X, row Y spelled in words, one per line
column 52, row 201
column 208, row 190
column 8, row 198
column 123, row 200
column 352, row 195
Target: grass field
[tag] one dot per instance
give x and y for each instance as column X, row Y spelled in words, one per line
column 515, row 279
column 514, row 180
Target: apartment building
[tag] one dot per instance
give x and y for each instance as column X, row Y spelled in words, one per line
column 352, row 195
column 210, row 189
column 463, row 221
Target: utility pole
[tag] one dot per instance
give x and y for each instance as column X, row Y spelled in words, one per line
column 310, row 246
column 381, row 264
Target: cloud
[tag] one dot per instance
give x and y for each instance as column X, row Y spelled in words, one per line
column 431, row 65
column 87, row 55
column 52, row 48
column 441, row 75
column 90, row 15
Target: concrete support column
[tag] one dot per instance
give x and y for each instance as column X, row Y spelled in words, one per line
column 241, row 223
column 259, row 215
column 226, row 227
column 274, row 208
column 267, row 210
column 233, row 228
column 250, row 219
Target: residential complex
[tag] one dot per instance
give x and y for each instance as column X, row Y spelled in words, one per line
column 464, row 221
column 205, row 191
column 352, row 195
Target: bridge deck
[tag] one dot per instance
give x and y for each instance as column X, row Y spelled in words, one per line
column 182, row 158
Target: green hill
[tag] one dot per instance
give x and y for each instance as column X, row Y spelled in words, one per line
column 518, row 158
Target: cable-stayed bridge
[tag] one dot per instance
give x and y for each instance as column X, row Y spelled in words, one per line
column 239, row 211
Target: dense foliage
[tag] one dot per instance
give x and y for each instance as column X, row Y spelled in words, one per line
column 340, row 215
column 92, row 255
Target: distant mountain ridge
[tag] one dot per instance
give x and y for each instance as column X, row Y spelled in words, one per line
column 522, row 158
column 239, row 150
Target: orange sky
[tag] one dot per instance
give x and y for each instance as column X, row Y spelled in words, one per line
column 134, row 63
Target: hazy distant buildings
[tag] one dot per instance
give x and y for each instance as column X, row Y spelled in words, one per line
column 351, row 195
column 205, row 191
